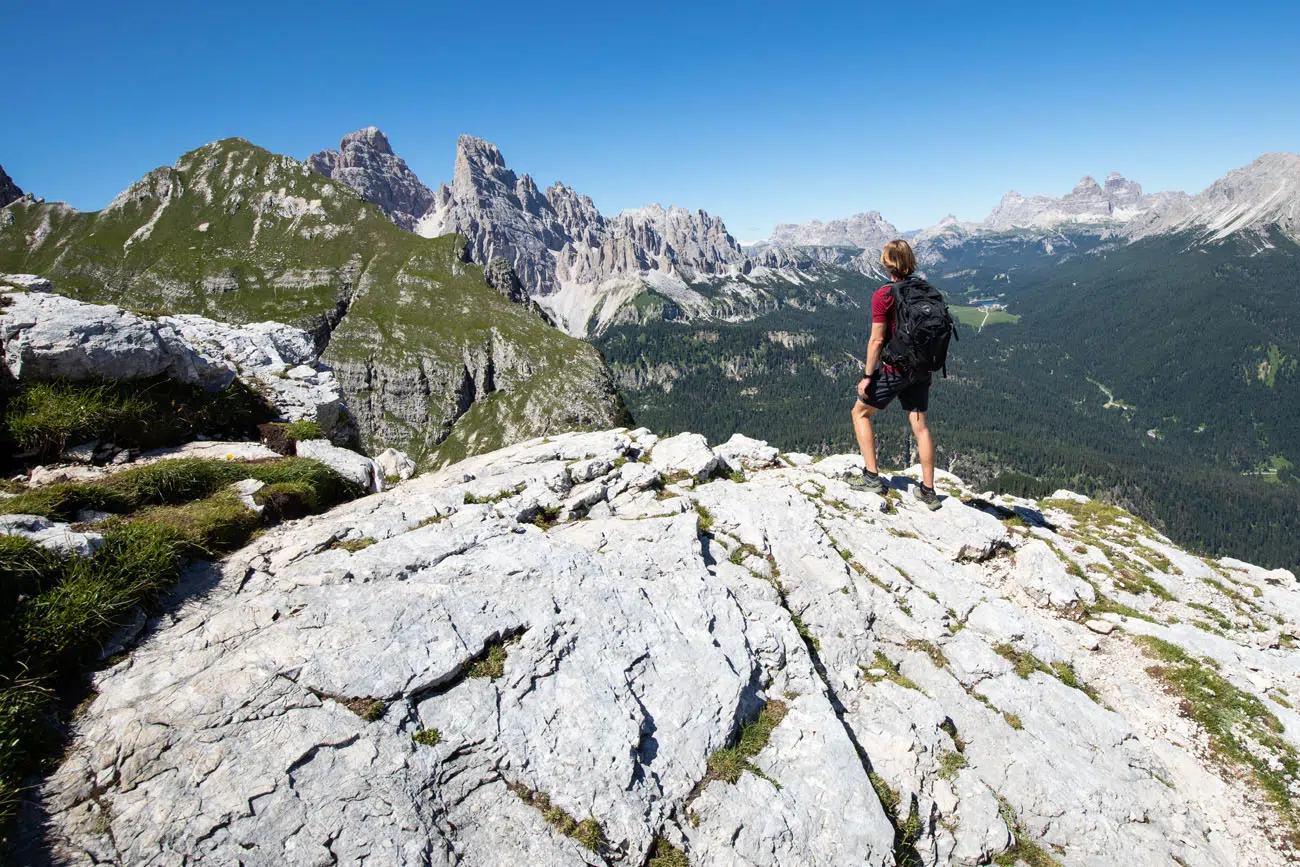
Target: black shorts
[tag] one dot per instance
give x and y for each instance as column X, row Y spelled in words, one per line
column 913, row 392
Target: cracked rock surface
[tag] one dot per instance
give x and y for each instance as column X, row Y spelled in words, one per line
column 575, row 627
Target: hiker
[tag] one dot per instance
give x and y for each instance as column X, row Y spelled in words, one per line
column 900, row 361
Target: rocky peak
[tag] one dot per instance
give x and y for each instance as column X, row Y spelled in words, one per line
column 365, row 162
column 369, row 139
column 1121, row 191
column 9, row 191
column 480, row 172
column 577, row 213
column 1086, row 186
column 602, row 636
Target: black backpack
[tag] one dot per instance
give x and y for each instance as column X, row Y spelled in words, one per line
column 922, row 328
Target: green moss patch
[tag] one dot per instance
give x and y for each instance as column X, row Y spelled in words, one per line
column 428, row 737
column 491, row 663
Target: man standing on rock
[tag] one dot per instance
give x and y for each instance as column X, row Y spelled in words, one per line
column 909, row 382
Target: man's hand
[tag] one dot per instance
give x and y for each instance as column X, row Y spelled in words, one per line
column 863, row 386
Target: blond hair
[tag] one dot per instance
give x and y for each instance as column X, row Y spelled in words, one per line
column 898, row 259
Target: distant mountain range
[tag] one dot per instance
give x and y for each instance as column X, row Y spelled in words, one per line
column 591, row 271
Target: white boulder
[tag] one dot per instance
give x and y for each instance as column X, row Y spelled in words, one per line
column 395, row 464
column 741, row 453
column 356, row 468
column 57, row 537
column 688, row 453
column 48, row 336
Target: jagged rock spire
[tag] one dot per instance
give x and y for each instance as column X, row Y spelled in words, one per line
column 9, row 191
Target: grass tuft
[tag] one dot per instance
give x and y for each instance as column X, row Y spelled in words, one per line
column 353, row 545
column 1023, row 851
column 47, row 417
column 728, row 763
column 588, row 832
column 665, row 854
column 950, row 762
column 929, row 649
column 1241, row 729
column 491, row 663
column 369, row 709
column 428, row 737
column 891, row 672
column 704, row 520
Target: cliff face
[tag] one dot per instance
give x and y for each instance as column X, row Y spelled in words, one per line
column 9, row 191
column 419, row 340
column 587, row 648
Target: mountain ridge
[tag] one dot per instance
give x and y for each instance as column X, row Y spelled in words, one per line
column 429, row 355
column 590, row 270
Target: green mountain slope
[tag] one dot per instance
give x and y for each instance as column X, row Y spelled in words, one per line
column 418, row 339
column 1196, row 345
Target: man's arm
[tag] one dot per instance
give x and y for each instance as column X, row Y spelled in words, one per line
column 875, row 347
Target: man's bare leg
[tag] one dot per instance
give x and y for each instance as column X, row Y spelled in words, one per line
column 924, row 446
column 862, row 414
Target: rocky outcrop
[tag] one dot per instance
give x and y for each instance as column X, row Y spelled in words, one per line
column 9, row 191
column 358, row 469
column 48, row 336
column 867, row 231
column 366, row 163
column 562, row 641
column 501, row 277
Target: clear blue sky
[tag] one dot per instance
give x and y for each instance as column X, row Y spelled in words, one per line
column 759, row 112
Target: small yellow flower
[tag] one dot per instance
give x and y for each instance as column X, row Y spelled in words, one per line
column 230, row 457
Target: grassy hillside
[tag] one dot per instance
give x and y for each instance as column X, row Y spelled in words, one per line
column 237, row 233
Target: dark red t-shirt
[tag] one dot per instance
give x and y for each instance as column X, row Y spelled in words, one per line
column 882, row 310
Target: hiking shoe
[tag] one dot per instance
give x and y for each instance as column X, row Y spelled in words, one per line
column 927, row 496
column 867, row 481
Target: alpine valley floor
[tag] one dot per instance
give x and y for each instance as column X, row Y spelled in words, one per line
column 604, row 648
